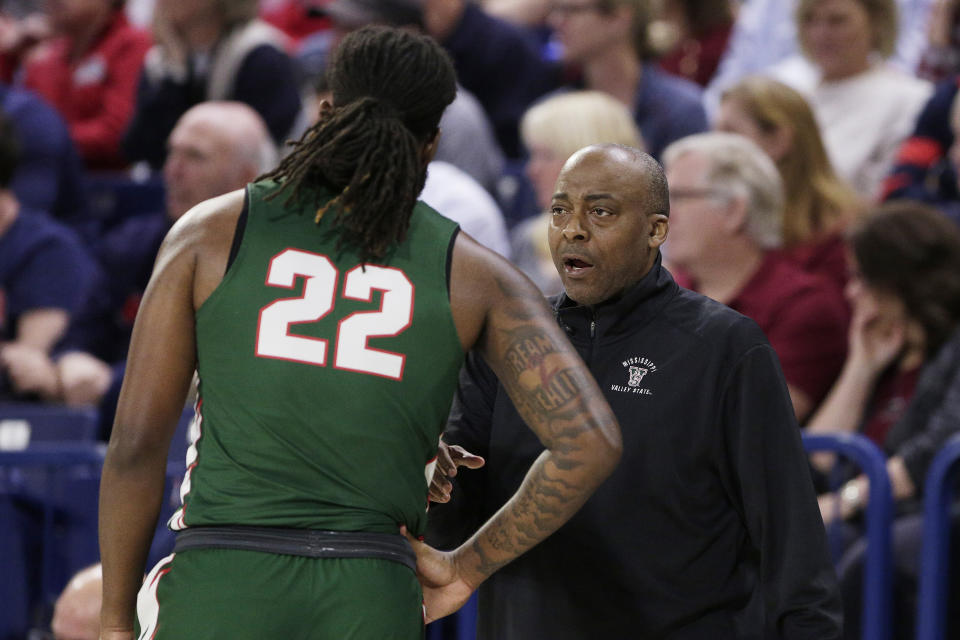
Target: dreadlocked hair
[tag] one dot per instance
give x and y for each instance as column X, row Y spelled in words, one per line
column 390, row 88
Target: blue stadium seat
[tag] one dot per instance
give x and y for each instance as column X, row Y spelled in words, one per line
column 22, row 424
column 877, row 585
column 113, row 197
column 48, row 514
column 935, row 565
column 48, row 499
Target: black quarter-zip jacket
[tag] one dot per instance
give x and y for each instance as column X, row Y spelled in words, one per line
column 708, row 528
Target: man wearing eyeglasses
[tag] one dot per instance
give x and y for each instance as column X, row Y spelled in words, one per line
column 603, row 47
column 727, row 203
column 709, row 528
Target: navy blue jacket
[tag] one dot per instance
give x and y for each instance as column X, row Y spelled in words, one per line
column 49, row 174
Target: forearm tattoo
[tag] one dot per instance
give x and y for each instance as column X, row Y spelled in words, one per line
column 545, row 392
column 559, row 401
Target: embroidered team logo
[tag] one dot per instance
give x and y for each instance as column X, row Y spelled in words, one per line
column 636, row 375
column 638, row 370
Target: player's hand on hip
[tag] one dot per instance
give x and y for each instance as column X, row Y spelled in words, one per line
column 449, row 457
column 444, row 591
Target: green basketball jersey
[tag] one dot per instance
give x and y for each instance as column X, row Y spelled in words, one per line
column 324, row 383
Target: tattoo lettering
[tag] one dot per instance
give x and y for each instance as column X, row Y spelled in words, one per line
column 547, row 389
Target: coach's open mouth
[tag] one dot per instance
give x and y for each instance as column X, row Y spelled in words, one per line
column 576, row 266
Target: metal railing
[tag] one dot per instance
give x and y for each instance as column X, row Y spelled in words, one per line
column 878, row 514
column 935, row 554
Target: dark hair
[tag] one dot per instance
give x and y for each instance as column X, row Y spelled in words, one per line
column 390, row 87
column 703, row 15
column 912, row 251
column 641, row 16
column 9, row 152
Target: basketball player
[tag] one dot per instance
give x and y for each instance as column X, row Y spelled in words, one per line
column 327, row 313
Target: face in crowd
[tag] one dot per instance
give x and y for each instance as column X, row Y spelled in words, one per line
column 700, row 218
column 209, row 154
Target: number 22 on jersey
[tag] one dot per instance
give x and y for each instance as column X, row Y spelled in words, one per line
column 351, row 351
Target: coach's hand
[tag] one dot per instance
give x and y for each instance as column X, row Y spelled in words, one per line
column 444, row 591
column 449, row 457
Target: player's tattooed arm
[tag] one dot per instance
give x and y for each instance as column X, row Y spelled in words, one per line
column 502, row 314
column 556, row 395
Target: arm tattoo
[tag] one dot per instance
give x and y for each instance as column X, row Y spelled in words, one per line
column 556, row 397
column 544, row 393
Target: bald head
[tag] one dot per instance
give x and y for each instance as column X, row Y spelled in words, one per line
column 609, row 218
column 215, row 147
column 636, row 165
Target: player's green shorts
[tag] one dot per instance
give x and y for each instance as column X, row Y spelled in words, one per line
column 201, row 594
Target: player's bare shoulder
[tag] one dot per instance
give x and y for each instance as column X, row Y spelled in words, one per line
column 200, row 241
column 481, row 281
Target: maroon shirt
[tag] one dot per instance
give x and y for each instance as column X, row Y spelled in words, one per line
column 696, row 58
column 891, row 396
column 826, row 256
column 803, row 315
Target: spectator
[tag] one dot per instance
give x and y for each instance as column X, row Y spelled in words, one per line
column 905, row 294
column 22, row 27
column 468, row 140
column 926, row 167
column 552, row 131
column 941, row 57
column 76, row 615
column 900, row 385
column 47, row 280
column 212, row 50
column 456, row 195
column 765, row 34
column 49, row 174
column 89, row 73
column 298, row 19
column 865, row 107
column 818, row 205
column 701, row 29
column 727, row 205
column 604, row 46
column 215, row 147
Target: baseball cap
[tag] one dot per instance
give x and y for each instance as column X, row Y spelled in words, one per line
column 357, row 13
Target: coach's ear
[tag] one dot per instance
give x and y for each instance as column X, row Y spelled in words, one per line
column 429, row 149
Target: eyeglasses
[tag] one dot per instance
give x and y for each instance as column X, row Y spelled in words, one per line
column 564, row 9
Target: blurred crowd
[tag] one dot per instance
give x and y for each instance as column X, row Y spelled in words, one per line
column 810, row 146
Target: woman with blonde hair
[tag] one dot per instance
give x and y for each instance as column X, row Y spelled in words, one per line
column 865, row 107
column 552, row 130
column 819, row 204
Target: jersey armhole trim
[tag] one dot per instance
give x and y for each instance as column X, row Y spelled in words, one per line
column 449, row 266
column 238, row 232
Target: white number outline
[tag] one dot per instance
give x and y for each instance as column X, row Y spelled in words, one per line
column 389, row 296
column 324, row 285
column 288, row 280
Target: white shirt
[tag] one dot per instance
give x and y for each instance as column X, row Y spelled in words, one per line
column 864, row 118
column 765, row 33
column 459, row 197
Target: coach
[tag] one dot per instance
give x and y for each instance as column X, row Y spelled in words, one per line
column 709, row 528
